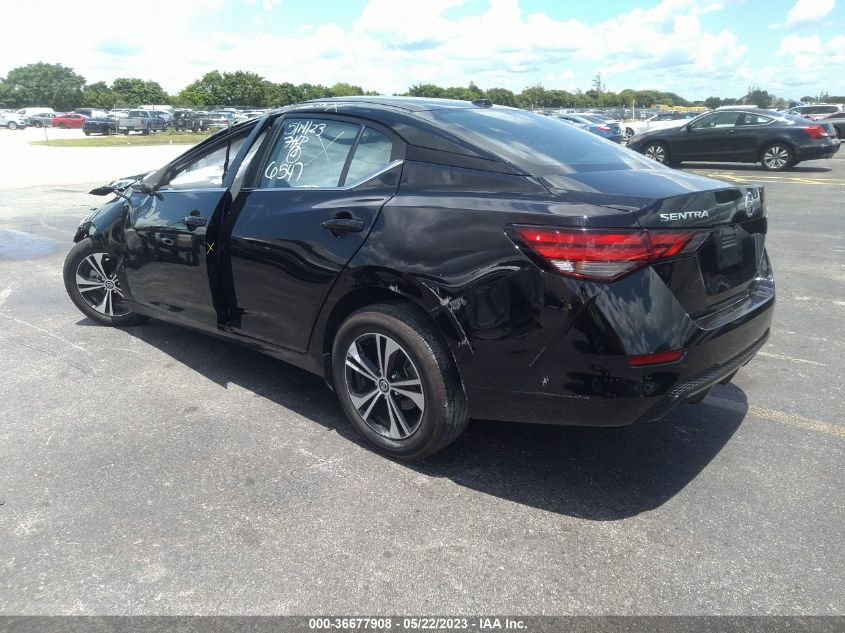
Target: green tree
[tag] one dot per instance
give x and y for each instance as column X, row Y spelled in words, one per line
column 533, row 97
column 41, row 84
column 346, row 90
column 425, row 90
column 758, row 97
column 98, row 95
column 130, row 91
column 276, row 95
column 501, row 96
column 713, row 102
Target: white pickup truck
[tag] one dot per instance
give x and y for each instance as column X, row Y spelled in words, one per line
column 143, row 121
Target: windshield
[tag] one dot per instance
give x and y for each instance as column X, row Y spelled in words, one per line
column 539, row 145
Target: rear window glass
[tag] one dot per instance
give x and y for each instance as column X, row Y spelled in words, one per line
column 537, row 144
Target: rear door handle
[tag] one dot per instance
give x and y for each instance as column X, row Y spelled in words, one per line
column 343, row 225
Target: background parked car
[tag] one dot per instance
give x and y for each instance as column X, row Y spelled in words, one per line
column 818, row 110
column 600, row 129
column 13, row 120
column 72, row 120
column 100, row 125
column 45, row 119
column 661, row 121
column 28, row 112
column 837, row 120
column 776, row 140
column 143, row 121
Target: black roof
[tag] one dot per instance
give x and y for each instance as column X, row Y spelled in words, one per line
column 411, row 104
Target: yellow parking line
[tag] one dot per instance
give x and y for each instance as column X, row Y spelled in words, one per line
column 764, row 179
column 798, row 421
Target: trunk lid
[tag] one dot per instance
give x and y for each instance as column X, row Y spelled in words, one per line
column 732, row 216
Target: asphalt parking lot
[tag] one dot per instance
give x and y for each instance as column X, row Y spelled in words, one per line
column 156, row 470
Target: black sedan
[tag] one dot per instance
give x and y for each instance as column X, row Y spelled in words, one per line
column 774, row 139
column 434, row 260
column 100, row 125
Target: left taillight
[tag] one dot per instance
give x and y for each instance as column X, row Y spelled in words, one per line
column 605, row 254
column 816, row 131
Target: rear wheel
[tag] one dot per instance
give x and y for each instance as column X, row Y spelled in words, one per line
column 777, row 157
column 397, row 383
column 657, row 152
column 86, row 132
column 90, row 276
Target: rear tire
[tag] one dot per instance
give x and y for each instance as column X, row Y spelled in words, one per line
column 397, row 383
column 777, row 157
column 91, row 282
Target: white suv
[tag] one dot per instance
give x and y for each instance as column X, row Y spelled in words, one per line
column 13, row 120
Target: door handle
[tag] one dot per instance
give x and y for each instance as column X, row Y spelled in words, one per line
column 343, row 225
column 193, row 221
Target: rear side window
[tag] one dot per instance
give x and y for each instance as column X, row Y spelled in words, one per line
column 308, row 152
column 537, row 144
column 747, row 118
column 372, row 154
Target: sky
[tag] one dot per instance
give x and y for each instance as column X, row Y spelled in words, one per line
column 696, row 48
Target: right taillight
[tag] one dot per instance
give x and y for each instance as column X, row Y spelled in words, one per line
column 605, row 254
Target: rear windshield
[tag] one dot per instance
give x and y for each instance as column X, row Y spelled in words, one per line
column 537, row 144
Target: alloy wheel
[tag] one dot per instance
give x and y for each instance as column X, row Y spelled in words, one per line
column 776, row 157
column 96, row 280
column 12, row 125
column 656, row 153
column 384, row 386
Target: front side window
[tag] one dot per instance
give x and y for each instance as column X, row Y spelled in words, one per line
column 309, row 152
column 720, row 119
column 208, row 170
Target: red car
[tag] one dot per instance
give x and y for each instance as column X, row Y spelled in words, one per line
column 69, row 120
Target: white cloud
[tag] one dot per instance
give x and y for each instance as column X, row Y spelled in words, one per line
column 809, row 12
column 666, row 46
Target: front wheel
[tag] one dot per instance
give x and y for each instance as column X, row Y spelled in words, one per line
column 777, row 157
column 90, row 276
column 397, row 383
column 62, row 126
column 12, row 125
column 38, row 124
column 657, row 152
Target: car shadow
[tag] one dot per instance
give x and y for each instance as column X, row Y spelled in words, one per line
column 798, row 169
column 602, row 474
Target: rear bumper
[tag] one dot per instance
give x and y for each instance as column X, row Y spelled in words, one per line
column 809, row 152
column 577, row 382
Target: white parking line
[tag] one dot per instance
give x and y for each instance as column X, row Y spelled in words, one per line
column 798, row 421
column 791, row 359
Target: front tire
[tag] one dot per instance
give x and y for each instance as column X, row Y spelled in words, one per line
column 12, row 125
column 777, row 157
column 90, row 277
column 658, row 152
column 38, row 124
column 397, row 383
